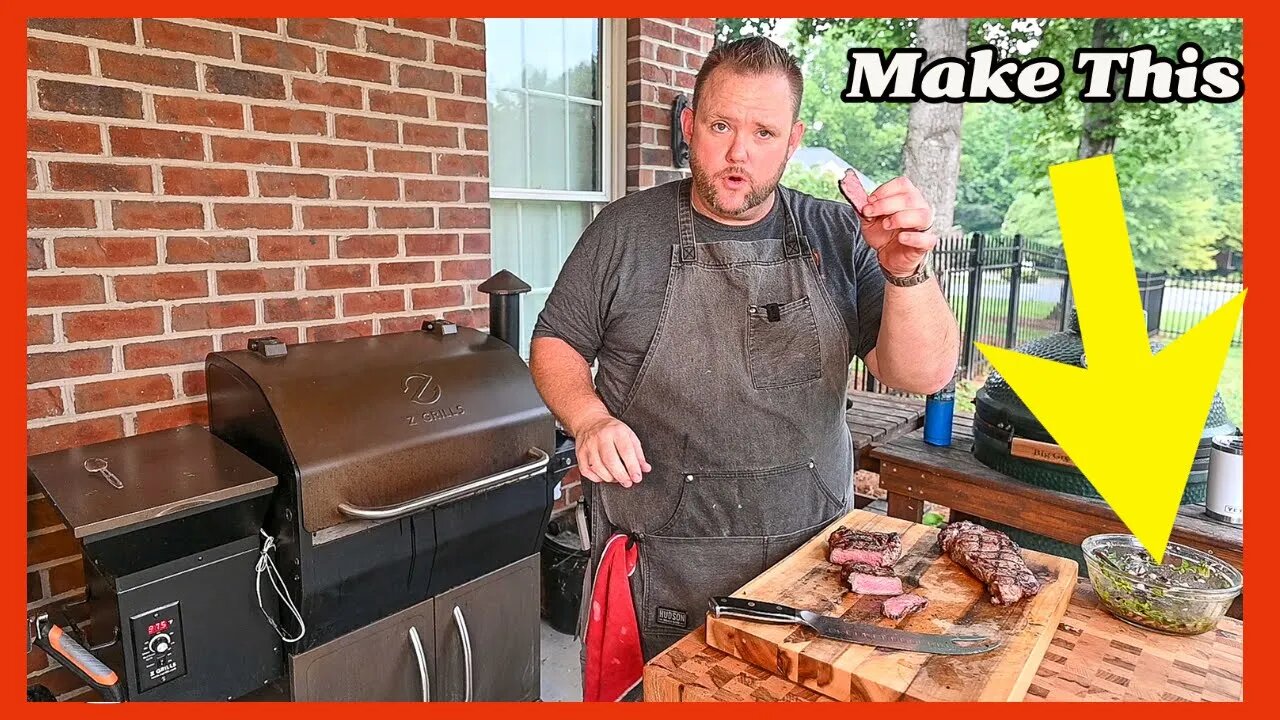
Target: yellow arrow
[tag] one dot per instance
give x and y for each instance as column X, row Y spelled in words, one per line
column 1131, row 420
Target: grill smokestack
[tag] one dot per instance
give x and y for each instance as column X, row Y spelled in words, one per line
column 504, row 290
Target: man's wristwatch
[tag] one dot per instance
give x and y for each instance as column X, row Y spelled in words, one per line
column 921, row 274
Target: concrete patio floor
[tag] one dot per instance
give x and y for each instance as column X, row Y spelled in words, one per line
column 561, row 669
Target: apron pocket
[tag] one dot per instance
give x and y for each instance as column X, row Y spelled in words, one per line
column 777, row 548
column 678, row 575
column 782, row 344
column 751, row 503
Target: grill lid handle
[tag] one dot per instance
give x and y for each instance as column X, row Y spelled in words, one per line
column 537, row 464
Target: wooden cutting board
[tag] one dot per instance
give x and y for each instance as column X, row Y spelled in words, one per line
column 958, row 603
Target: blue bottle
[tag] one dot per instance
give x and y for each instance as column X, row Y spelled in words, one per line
column 939, row 408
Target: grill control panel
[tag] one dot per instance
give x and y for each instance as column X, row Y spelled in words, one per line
column 157, row 646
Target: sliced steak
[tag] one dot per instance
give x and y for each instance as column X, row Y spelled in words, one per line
column 869, row 579
column 863, row 546
column 993, row 558
column 896, row 608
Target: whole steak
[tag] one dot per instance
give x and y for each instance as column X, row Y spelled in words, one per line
column 993, row 558
column 863, row 546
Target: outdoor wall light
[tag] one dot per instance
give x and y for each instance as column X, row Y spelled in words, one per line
column 679, row 147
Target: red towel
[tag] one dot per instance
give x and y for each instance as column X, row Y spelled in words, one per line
column 615, row 662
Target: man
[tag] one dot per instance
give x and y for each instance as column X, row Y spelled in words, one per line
column 724, row 312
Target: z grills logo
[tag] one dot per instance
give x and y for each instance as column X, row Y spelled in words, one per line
column 422, row 389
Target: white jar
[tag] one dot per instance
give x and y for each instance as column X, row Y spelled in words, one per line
column 1225, row 499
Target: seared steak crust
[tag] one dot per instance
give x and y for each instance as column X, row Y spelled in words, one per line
column 991, row 557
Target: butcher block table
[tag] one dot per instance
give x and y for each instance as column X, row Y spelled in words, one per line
column 1091, row 657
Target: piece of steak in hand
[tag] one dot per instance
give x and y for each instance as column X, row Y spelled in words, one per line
column 898, row 607
column 992, row 557
column 863, row 546
column 869, row 579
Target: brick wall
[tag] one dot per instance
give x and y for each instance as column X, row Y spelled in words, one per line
column 193, row 183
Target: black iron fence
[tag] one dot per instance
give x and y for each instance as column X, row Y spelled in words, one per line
column 1007, row 291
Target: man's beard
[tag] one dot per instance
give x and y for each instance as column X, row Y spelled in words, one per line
column 705, row 186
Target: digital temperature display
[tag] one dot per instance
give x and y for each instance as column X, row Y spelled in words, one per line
column 158, row 627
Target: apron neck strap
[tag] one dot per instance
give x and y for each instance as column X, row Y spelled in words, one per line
column 794, row 243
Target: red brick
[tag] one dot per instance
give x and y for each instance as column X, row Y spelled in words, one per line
column 372, row 303
column 236, row 282
column 461, row 111
column 57, row 57
column 104, row 251
column 98, row 177
column 66, row 577
column 427, row 78
column 289, row 122
column 205, row 181
column 39, row 329
column 335, row 157
column 335, row 217
column 72, row 434
column 437, row 297
column 431, row 135
column 649, row 28
column 368, row 246
column 292, row 247
column 254, row 152
column 477, row 192
column 328, row 94
column 297, row 309
column 351, row 127
column 475, row 243
column 401, row 161
column 668, row 55
column 264, row 24
column 256, row 216
column 81, row 99
column 339, row 331
column 358, row 67
column 186, row 250
column 274, row 53
column 250, row 83
column 433, row 245
column 108, row 394
column 60, row 214
column 35, row 254
column 475, row 317
column 395, row 44
column 150, row 143
column 202, row 316
column 471, row 31
column 292, row 185
column 113, row 324
column 146, row 215
column 398, row 103
column 43, row 402
column 54, row 136
column 453, row 217
column 464, row 269
column 240, row 340
column 42, row 514
column 167, row 352
column 473, row 86
column 161, row 286
column 368, row 188
column 404, row 217
column 193, row 382
column 61, row 290
column 327, row 32
column 400, row 324
column 406, row 273
column 459, row 56
column 465, row 165
column 694, row 61
column 118, row 30
column 43, row 367
column 171, row 417
column 186, row 39
column 432, row 191
column 328, row 277
column 430, row 26
column 654, row 73
column 47, row 547
column 148, row 69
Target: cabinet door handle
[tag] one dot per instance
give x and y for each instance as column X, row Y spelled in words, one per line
column 422, row 663
column 466, row 648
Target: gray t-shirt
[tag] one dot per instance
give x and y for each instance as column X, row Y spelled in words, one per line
column 609, row 294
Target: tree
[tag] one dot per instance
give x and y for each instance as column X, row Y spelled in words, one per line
column 931, row 154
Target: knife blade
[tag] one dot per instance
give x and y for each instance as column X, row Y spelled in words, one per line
column 847, row 631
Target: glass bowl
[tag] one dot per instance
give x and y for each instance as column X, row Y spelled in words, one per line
column 1187, row 595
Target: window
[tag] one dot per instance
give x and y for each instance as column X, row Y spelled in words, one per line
column 551, row 113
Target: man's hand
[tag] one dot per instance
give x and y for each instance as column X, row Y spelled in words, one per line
column 608, row 451
column 896, row 221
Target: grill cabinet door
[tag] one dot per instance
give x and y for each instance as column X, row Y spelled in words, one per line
column 377, row 663
column 500, row 624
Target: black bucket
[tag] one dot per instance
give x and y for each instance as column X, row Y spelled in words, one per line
column 564, row 565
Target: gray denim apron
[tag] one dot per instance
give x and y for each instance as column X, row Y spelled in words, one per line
column 740, row 408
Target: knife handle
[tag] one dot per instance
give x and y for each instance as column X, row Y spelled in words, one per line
column 753, row 610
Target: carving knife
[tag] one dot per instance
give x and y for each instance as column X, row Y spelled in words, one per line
column 847, row 631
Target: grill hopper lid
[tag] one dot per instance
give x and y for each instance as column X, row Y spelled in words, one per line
column 374, row 422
